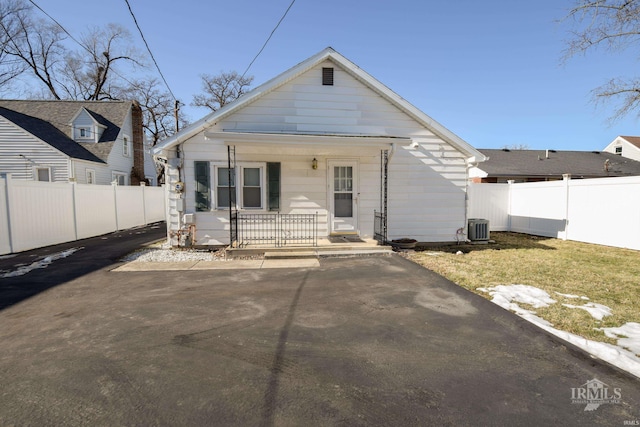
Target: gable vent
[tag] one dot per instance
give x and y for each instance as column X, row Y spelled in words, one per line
column 327, row 76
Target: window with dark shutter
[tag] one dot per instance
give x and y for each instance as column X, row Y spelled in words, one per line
column 327, row 76
column 203, row 186
column 273, row 177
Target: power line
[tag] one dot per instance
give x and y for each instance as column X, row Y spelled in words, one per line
column 60, row 25
column 268, row 38
column 149, row 50
column 76, row 40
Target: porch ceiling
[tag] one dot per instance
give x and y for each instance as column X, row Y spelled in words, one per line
column 319, row 144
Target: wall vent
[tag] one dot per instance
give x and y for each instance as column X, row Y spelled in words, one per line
column 478, row 229
column 327, row 76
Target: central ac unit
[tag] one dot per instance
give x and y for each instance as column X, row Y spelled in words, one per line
column 478, row 229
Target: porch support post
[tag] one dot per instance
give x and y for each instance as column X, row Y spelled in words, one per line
column 386, row 186
column 233, row 220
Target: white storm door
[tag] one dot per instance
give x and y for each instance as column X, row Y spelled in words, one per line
column 343, row 196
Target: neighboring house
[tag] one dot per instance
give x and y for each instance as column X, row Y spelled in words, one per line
column 323, row 137
column 503, row 165
column 625, row 146
column 89, row 142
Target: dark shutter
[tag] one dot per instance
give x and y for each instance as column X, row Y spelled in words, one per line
column 203, row 186
column 327, row 76
column 273, row 177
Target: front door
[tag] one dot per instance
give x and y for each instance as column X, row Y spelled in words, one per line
column 343, row 196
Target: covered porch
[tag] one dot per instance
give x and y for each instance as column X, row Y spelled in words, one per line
column 332, row 190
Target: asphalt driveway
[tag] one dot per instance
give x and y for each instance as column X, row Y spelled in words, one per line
column 356, row 341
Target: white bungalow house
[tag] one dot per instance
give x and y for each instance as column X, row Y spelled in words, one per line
column 322, row 149
column 88, row 142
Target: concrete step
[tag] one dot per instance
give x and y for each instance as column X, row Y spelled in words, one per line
column 310, row 252
column 354, row 252
column 290, row 255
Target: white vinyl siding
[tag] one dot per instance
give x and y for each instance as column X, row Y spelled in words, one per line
column 21, row 152
column 117, row 161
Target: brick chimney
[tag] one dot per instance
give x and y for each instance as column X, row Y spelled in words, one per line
column 137, row 172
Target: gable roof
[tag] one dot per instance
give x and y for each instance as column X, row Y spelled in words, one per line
column 534, row 163
column 60, row 114
column 48, row 133
column 51, row 121
column 633, row 140
column 326, row 54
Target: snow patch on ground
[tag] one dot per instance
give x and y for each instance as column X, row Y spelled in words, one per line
column 525, row 294
column 597, row 311
column 628, row 335
column 573, row 296
column 43, row 263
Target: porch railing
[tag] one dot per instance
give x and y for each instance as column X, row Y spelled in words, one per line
column 274, row 229
column 380, row 227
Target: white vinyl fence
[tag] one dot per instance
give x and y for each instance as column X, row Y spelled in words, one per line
column 36, row 214
column 604, row 211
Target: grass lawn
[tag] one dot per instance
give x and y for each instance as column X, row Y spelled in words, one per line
column 608, row 276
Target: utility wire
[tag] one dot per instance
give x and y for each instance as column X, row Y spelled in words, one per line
column 149, row 50
column 76, row 40
column 59, row 25
column 269, row 38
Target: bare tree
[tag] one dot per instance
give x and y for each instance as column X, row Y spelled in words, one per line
column 158, row 108
column 36, row 45
column 10, row 12
column 612, row 25
column 90, row 73
column 39, row 48
column 221, row 89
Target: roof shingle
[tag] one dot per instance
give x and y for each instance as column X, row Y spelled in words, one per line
column 535, row 163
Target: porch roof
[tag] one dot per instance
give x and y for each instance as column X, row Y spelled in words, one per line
column 307, row 140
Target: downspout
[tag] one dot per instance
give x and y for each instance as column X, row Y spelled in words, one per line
column 463, row 230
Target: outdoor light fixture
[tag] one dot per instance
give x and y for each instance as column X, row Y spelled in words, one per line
column 314, row 164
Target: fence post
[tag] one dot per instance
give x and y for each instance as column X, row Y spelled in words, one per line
column 566, row 178
column 7, row 178
column 510, row 182
column 75, row 209
column 114, row 184
column 144, row 202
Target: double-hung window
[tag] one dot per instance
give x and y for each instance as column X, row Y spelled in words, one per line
column 252, row 187
column 224, row 180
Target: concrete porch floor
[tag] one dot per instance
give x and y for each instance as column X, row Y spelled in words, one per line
column 326, row 247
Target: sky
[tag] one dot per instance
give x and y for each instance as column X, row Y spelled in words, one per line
column 491, row 71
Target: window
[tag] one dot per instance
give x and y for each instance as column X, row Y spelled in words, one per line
column 273, row 177
column 43, row 174
column 84, row 133
column 91, row 176
column 224, row 179
column 125, row 147
column 327, row 76
column 619, row 150
column 252, row 188
column 203, row 197
column 119, row 178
